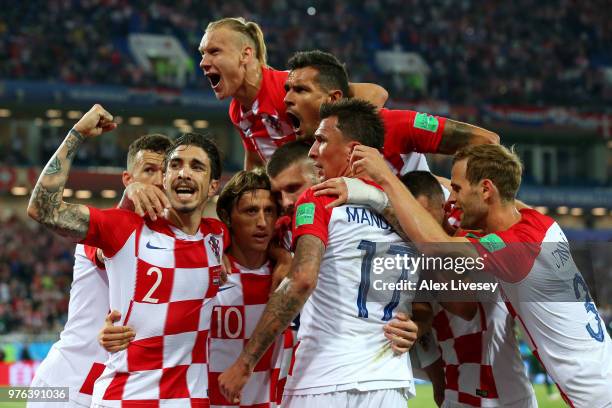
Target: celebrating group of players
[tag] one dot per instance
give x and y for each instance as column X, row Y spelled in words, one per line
column 203, row 307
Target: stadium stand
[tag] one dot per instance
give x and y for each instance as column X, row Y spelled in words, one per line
column 555, row 53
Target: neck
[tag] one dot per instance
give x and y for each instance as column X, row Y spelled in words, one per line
column 502, row 216
column 247, row 93
column 189, row 222
column 247, row 258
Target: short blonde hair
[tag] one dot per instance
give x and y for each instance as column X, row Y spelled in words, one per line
column 249, row 29
column 496, row 163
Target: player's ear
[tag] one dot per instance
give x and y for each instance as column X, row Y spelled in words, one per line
column 213, row 187
column 126, row 178
column 335, row 95
column 487, row 188
column 246, row 55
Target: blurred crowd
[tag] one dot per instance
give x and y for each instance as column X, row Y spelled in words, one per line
column 35, row 277
column 522, row 52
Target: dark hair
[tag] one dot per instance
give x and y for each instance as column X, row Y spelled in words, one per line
column 206, row 143
column 423, row 183
column 357, row 120
column 332, row 74
column 287, row 155
column 155, row 142
column 242, row 182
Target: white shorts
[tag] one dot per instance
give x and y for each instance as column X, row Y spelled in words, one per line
column 389, row 398
column 529, row 402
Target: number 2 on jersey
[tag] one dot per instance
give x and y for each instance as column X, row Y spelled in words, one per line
column 366, row 270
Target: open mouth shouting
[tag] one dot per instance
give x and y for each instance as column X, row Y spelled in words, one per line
column 184, row 192
column 215, row 81
column 295, row 122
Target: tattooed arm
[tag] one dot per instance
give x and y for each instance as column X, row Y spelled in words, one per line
column 457, row 135
column 281, row 309
column 46, row 204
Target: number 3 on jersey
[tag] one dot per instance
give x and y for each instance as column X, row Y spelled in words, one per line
column 370, row 253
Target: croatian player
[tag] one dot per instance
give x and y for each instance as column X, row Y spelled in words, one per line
column 166, row 269
column 248, row 209
column 234, row 61
column 530, row 256
column 482, row 363
column 343, row 358
column 291, row 173
column 76, row 360
column 317, row 77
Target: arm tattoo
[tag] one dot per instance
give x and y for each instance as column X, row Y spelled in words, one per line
column 389, row 214
column 53, row 167
column 46, row 204
column 456, row 135
column 287, row 301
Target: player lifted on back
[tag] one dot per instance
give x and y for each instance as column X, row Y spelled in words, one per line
column 234, row 61
column 343, row 358
column 166, row 269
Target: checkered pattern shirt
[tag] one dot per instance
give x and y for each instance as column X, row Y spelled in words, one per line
column 265, row 126
column 483, row 366
column 163, row 282
column 240, row 303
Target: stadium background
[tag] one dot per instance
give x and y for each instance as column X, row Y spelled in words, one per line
column 539, row 73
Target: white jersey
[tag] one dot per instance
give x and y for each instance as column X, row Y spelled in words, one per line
column 549, row 298
column 77, row 359
column 482, row 363
column 341, row 340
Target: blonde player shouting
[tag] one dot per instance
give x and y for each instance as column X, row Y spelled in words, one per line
column 235, row 62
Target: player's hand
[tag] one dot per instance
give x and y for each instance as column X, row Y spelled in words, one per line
column 115, row 338
column 283, row 260
column 232, row 381
column 402, row 332
column 334, row 187
column 367, row 161
column 147, row 200
column 95, row 122
column 226, row 268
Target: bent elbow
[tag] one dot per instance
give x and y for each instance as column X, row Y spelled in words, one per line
column 304, row 286
column 33, row 212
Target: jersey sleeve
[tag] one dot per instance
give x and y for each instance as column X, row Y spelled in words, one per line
column 510, row 254
column 408, row 131
column 311, row 217
column 109, row 229
column 90, row 253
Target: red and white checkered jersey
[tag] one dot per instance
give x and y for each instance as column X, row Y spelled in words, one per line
column 342, row 345
column 265, row 126
column 163, row 282
column 483, row 365
column 547, row 294
column 77, row 359
column 240, row 303
column 407, row 135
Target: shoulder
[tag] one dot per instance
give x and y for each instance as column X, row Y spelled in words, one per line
column 119, row 217
column 276, row 76
column 532, row 227
column 213, row 226
column 309, row 197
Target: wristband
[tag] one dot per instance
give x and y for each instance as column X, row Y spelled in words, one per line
column 359, row 192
